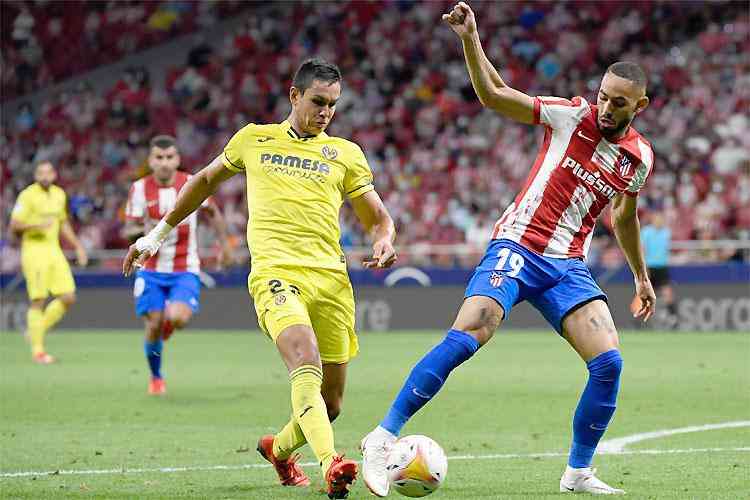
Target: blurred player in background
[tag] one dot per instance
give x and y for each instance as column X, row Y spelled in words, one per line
column 590, row 156
column 167, row 289
column 297, row 178
column 39, row 217
column 657, row 242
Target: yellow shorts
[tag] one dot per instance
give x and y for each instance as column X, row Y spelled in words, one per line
column 320, row 298
column 47, row 272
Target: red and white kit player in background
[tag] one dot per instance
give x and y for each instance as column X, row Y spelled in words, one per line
column 167, row 289
column 590, row 155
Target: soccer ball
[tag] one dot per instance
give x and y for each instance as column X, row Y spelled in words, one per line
column 416, row 466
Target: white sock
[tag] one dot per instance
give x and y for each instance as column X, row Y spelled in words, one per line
column 384, row 433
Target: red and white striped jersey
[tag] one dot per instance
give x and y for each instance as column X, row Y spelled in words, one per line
column 575, row 175
column 149, row 202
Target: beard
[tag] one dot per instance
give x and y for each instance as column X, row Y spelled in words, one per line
column 615, row 130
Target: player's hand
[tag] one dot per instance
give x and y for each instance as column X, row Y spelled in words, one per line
column 644, row 302
column 383, row 255
column 226, row 257
column 138, row 253
column 82, row 258
column 461, row 20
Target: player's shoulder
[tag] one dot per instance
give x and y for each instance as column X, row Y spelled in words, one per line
column 637, row 145
column 57, row 191
column 345, row 146
column 573, row 102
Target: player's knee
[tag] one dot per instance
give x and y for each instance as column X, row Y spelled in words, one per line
column 610, row 370
column 68, row 299
column 37, row 304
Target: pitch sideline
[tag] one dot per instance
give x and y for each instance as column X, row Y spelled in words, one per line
column 164, row 470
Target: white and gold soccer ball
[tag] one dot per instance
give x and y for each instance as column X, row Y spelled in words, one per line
column 416, row 466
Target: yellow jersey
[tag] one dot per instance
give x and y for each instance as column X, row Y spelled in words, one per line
column 35, row 205
column 295, row 188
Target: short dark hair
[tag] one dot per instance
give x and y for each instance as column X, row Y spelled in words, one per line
column 163, row 142
column 315, row 69
column 630, row 71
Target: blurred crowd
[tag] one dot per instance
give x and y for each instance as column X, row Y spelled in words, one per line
column 445, row 167
column 46, row 41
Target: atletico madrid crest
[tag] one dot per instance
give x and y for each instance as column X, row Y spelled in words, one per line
column 496, row 279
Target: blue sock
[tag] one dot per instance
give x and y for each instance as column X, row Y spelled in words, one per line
column 596, row 407
column 153, row 355
column 428, row 376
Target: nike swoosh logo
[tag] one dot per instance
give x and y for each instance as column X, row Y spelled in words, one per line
column 305, row 411
column 569, row 489
column 265, row 139
column 581, row 134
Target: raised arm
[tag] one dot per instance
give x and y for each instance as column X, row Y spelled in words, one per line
column 193, row 194
column 628, row 233
column 492, row 91
column 219, row 225
column 376, row 220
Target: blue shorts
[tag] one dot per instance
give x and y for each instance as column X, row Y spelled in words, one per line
column 153, row 290
column 510, row 273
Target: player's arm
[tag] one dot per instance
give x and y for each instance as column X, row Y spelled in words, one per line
column 219, row 225
column 627, row 230
column 193, row 194
column 66, row 231
column 376, row 220
column 492, row 91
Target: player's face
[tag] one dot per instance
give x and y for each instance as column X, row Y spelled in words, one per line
column 45, row 175
column 315, row 108
column 618, row 102
column 164, row 162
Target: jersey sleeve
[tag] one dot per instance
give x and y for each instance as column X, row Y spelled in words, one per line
column 358, row 178
column 642, row 171
column 22, row 209
column 136, row 206
column 557, row 113
column 232, row 156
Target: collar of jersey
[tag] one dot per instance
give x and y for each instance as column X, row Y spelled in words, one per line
column 287, row 127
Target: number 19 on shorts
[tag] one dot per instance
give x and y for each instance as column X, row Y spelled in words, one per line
column 506, row 256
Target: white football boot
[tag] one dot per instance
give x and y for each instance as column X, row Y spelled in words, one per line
column 584, row 481
column 375, row 448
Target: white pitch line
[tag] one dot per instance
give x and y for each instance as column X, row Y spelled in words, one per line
column 200, row 468
column 619, row 444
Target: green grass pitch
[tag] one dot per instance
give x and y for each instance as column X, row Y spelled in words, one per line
column 89, row 417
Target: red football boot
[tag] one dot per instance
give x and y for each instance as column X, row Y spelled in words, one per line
column 341, row 474
column 157, row 387
column 290, row 474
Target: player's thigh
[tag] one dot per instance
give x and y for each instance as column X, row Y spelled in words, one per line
column 332, row 313
column 61, row 277
column 590, row 330
column 278, row 300
column 183, row 297
column 149, row 294
column 36, row 271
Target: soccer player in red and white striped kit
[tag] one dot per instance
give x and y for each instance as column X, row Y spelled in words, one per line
column 591, row 156
column 167, row 289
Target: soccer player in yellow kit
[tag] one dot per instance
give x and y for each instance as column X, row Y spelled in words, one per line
column 297, row 178
column 39, row 217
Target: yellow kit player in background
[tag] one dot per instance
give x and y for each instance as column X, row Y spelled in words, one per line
column 297, row 178
column 39, row 217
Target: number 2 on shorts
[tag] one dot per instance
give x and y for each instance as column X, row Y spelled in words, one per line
column 515, row 260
